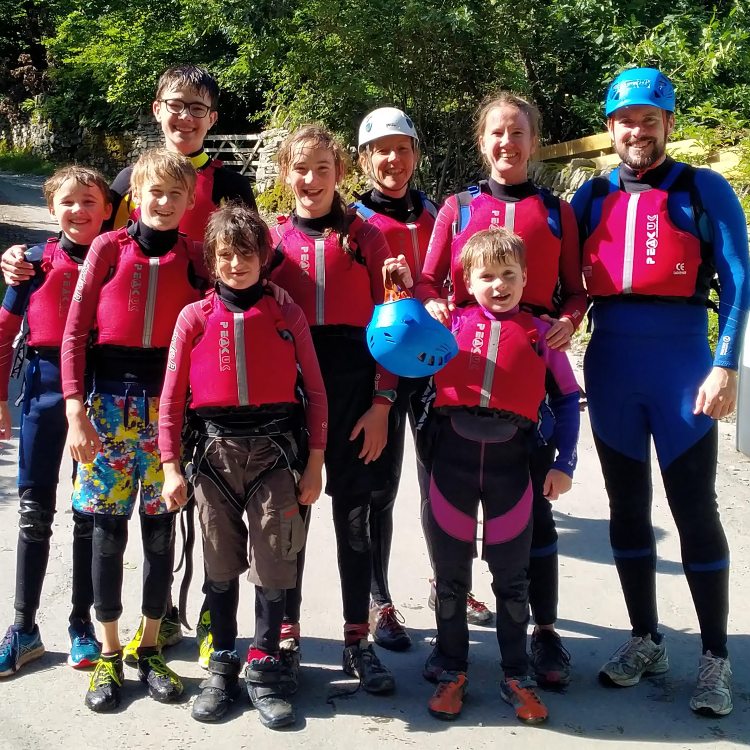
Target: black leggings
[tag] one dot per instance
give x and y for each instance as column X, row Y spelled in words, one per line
column 477, row 460
column 689, row 482
column 109, row 542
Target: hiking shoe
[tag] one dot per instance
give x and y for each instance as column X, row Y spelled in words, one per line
column 432, row 667
column 519, row 692
column 635, row 658
column 713, row 693
column 19, row 648
column 263, row 676
column 550, row 660
column 448, row 700
column 205, row 639
column 220, row 688
column 387, row 627
column 477, row 613
column 170, row 634
column 105, row 684
column 360, row 660
column 85, row 650
column 163, row 684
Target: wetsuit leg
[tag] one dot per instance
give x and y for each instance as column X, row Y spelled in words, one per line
column 223, row 600
column 108, row 549
column 388, row 475
column 82, row 594
column 293, row 598
column 157, row 534
column 269, row 612
column 543, row 564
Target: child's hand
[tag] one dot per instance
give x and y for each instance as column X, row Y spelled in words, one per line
column 399, row 271
column 174, row 489
column 374, row 422
column 14, row 265
column 558, row 336
column 556, row 483
column 5, row 421
column 281, row 296
column 83, row 440
column 311, row 481
column 440, row 309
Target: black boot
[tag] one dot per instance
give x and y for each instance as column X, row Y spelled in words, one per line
column 220, row 688
column 263, row 677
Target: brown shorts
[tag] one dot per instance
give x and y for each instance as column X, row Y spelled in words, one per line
column 274, row 533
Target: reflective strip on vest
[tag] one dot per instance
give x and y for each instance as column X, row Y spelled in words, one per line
column 240, row 360
column 148, row 314
column 320, row 280
column 490, row 363
column 415, row 247
column 510, row 217
column 630, row 222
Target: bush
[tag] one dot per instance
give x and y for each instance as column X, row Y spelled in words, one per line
column 23, row 161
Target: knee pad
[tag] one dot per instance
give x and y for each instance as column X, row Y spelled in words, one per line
column 358, row 528
column 447, row 598
column 382, row 501
column 36, row 513
column 111, row 534
column 83, row 525
column 273, row 595
column 157, row 533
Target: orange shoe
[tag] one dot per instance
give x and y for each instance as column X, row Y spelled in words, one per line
column 520, row 693
column 448, row 700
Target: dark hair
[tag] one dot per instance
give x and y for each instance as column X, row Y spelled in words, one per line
column 82, row 175
column 237, row 226
column 189, row 77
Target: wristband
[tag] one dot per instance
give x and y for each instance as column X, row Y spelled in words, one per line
column 389, row 395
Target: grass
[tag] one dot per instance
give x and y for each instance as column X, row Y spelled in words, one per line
column 21, row 161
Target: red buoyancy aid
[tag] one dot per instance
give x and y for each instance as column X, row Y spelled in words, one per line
column 528, row 218
column 194, row 221
column 497, row 366
column 138, row 306
column 242, row 358
column 330, row 285
column 49, row 304
column 409, row 239
column 636, row 249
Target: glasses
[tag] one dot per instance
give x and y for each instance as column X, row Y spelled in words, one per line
column 177, row 107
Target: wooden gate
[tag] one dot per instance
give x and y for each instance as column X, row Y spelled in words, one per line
column 240, row 152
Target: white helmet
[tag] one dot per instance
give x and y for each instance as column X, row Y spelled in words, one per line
column 385, row 121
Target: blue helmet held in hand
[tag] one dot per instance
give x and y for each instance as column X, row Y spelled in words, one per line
column 405, row 339
column 640, row 86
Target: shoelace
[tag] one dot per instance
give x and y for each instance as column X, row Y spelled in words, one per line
column 474, row 603
column 712, row 673
column 526, row 687
column 390, row 617
column 7, row 640
column 630, row 649
column 104, row 673
column 554, row 641
column 157, row 664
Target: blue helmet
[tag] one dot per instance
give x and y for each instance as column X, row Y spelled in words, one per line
column 640, row 86
column 405, row 339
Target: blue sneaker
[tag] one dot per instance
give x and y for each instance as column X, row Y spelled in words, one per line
column 18, row 648
column 85, row 650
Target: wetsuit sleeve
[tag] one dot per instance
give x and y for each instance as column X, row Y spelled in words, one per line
column 189, row 327
column 437, row 262
column 100, row 260
column 11, row 318
column 580, row 205
column 122, row 203
column 571, row 279
column 375, row 251
column 730, row 246
column 231, row 186
column 316, row 411
column 563, row 392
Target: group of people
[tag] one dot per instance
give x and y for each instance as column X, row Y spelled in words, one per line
column 187, row 352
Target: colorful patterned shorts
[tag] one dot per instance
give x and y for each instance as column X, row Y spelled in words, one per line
column 129, row 459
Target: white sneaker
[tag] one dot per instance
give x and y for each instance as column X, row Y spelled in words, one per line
column 713, row 693
column 635, row 658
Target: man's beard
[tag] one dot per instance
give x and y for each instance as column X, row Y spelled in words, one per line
column 640, row 160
